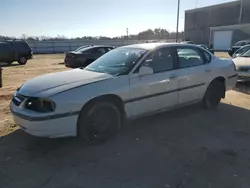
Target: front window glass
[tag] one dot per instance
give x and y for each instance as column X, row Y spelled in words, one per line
column 160, row 61
column 241, row 43
column 118, row 61
column 101, row 50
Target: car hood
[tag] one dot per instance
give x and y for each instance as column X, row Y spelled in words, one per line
column 241, row 62
column 51, row 84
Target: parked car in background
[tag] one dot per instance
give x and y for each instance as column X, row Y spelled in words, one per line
column 237, row 46
column 206, row 47
column 85, row 55
column 127, row 82
column 241, row 50
column 15, row 50
column 242, row 63
column 187, row 42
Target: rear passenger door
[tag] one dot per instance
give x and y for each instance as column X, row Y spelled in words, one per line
column 192, row 75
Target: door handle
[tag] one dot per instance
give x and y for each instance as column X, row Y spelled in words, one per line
column 207, row 70
column 172, row 76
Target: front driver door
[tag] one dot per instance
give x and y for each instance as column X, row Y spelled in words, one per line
column 150, row 93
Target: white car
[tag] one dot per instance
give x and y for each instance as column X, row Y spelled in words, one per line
column 127, row 82
column 242, row 63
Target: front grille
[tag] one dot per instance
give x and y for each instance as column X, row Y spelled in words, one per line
column 18, row 99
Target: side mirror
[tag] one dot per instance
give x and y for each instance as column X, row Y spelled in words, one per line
column 145, row 70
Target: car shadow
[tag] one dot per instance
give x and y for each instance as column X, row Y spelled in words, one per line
column 205, row 144
column 9, row 65
column 243, row 87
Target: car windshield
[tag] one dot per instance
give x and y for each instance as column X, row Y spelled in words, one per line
column 241, row 50
column 246, row 54
column 240, row 43
column 83, row 49
column 118, row 61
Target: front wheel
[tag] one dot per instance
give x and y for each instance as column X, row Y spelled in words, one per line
column 22, row 61
column 99, row 122
column 213, row 95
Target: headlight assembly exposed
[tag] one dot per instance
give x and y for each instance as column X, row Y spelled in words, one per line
column 40, row 105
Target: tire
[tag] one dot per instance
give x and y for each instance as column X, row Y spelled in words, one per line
column 22, row 60
column 99, row 122
column 214, row 94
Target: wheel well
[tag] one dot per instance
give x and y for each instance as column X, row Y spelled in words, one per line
column 108, row 98
column 223, row 81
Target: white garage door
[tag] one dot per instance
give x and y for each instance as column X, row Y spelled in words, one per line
column 222, row 40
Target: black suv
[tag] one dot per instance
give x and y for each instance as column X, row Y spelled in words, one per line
column 15, row 50
column 85, row 55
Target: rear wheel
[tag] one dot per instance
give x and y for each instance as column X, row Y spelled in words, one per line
column 99, row 122
column 22, row 61
column 214, row 93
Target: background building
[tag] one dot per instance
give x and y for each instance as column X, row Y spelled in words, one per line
column 220, row 25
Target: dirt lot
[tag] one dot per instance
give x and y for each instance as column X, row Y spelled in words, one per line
column 190, row 147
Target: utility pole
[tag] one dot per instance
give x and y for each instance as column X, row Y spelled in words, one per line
column 177, row 24
column 241, row 10
column 196, row 4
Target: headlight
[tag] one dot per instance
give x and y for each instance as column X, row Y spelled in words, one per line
column 40, row 105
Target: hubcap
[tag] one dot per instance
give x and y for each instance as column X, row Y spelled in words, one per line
column 102, row 123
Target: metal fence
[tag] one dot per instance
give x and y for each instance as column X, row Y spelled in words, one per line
column 42, row 47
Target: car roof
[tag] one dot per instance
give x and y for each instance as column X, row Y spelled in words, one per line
column 152, row 46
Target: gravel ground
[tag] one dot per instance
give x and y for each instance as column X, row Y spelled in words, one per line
column 188, row 147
